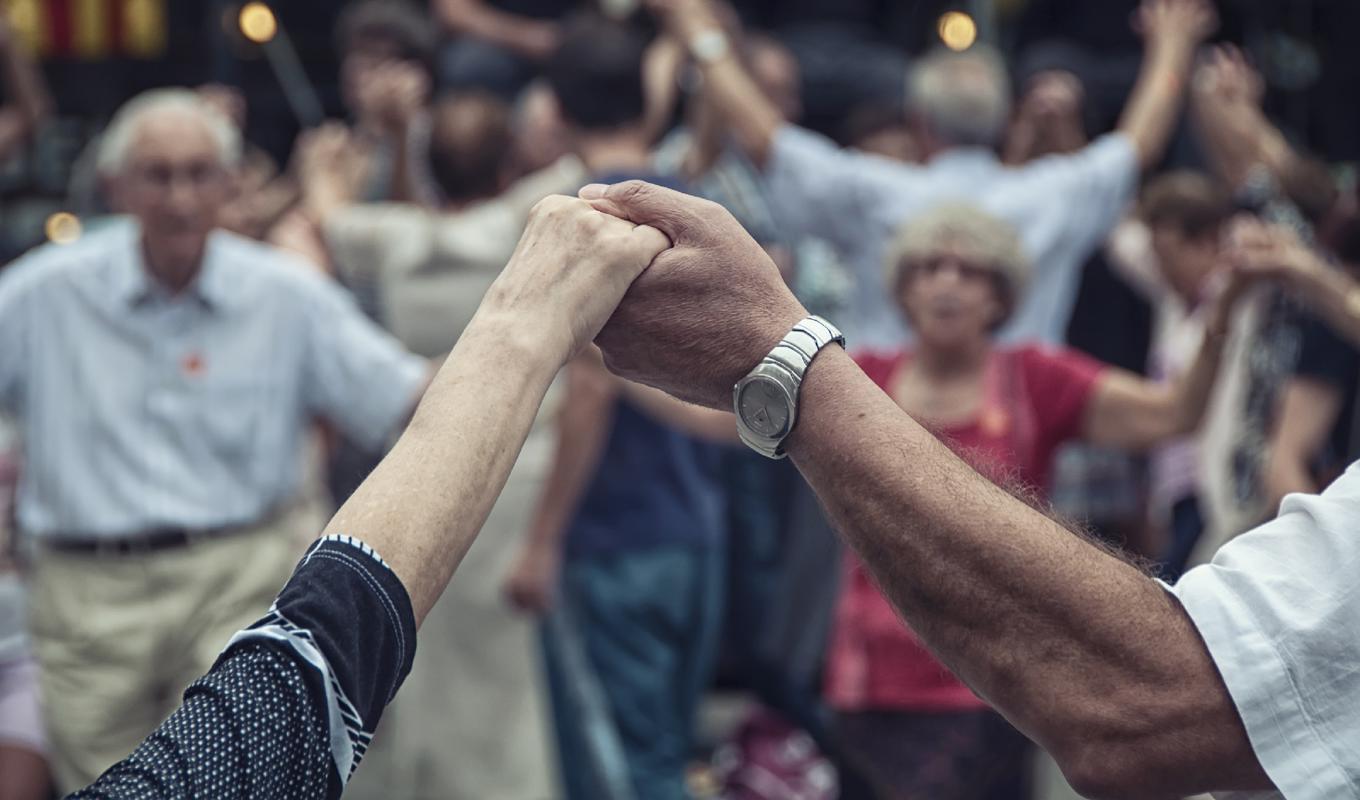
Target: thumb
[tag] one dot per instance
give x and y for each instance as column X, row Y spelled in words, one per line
column 675, row 214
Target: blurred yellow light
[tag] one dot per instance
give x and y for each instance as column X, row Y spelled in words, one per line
column 958, row 31
column 258, row 23
column 63, row 227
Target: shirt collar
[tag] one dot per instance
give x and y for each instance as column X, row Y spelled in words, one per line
column 133, row 284
column 966, row 158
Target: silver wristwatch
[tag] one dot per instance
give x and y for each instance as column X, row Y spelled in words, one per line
column 766, row 400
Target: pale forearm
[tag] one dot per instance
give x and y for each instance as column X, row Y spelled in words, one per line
column 1099, row 660
column 323, row 195
column 1229, row 140
column 24, row 83
column 422, row 506
column 1154, row 105
column 749, row 115
column 524, row 35
column 14, row 131
column 1196, row 386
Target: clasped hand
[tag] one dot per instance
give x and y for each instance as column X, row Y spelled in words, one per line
column 675, row 292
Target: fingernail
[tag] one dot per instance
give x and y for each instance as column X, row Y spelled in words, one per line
column 592, row 191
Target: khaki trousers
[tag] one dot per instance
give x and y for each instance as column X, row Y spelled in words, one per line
column 118, row 638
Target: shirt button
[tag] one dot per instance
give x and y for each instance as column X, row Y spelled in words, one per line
column 163, row 401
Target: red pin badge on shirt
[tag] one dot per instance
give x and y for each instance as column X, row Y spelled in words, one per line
column 192, row 364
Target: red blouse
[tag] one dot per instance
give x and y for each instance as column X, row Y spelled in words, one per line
column 1035, row 400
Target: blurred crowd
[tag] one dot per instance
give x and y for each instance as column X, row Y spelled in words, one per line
column 1072, row 242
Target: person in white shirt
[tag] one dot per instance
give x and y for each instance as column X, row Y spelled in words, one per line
column 1063, row 205
column 163, row 375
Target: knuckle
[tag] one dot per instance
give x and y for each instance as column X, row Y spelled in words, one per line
column 631, row 190
column 540, row 208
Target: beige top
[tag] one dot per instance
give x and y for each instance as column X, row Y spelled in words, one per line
column 430, row 269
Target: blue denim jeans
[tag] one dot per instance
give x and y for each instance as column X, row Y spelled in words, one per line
column 629, row 651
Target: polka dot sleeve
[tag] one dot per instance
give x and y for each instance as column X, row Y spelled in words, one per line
column 289, row 708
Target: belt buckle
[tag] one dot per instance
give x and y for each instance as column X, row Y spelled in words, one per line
column 121, row 548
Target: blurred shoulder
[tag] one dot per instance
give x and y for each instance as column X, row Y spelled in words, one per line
column 252, row 266
column 84, row 263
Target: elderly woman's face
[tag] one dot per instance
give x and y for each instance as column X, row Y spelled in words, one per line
column 950, row 298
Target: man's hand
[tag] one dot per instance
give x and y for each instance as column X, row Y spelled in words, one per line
column 531, row 585
column 1226, row 76
column 1258, row 251
column 1049, row 118
column 706, row 311
column 1184, row 23
column 570, row 269
column 685, row 19
column 392, row 95
column 332, row 167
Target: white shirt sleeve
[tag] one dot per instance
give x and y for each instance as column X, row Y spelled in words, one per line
column 1093, row 186
column 816, row 188
column 358, row 375
column 1279, row 609
column 16, row 314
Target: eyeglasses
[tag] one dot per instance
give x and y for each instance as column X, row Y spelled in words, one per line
column 197, row 174
column 934, row 265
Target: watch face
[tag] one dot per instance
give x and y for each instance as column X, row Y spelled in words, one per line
column 764, row 407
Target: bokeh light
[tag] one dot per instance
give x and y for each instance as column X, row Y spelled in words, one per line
column 958, row 31
column 258, row 23
column 63, row 227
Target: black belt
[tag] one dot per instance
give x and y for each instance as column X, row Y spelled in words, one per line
column 147, row 542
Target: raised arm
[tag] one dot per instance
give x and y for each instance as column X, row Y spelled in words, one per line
column 1225, row 105
column 752, row 118
column 531, row 38
column 1172, row 30
column 1100, row 665
column 331, row 168
column 1275, row 252
column 28, row 102
column 1131, row 412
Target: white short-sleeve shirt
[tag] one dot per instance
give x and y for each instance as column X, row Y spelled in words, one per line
column 1279, row 608
column 138, row 409
column 1062, row 206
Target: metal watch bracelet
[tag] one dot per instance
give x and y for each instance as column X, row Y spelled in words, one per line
column 766, row 399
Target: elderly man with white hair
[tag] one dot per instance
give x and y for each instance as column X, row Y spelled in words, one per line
column 163, row 374
column 1064, row 206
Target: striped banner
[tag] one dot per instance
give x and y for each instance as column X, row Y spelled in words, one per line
column 90, row 30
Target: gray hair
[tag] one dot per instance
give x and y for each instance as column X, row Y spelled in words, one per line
column 990, row 241
column 115, row 145
column 965, row 98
